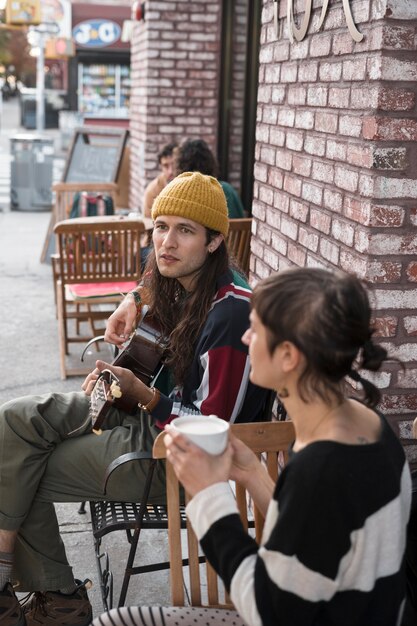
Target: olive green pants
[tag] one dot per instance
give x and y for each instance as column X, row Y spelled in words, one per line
column 49, row 454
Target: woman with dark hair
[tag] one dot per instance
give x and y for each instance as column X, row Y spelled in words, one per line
column 332, row 551
column 194, row 155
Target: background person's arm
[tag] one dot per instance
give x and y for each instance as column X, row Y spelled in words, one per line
column 148, row 198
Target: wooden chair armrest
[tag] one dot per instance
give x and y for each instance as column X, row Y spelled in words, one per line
column 128, row 457
column 82, row 186
column 159, row 450
column 55, row 263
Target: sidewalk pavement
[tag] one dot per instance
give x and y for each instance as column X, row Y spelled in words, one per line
column 29, row 364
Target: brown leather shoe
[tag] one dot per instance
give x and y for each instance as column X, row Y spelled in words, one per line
column 11, row 613
column 54, row 608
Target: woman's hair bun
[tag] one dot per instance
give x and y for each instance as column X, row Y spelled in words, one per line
column 373, row 355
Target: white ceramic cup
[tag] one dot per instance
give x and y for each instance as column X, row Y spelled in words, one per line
column 207, row 431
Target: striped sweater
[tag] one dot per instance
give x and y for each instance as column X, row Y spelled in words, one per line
column 218, row 380
column 333, row 542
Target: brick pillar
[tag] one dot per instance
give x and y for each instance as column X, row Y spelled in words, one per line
column 335, row 171
column 175, row 68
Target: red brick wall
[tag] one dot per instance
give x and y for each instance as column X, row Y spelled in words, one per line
column 335, row 171
column 175, row 65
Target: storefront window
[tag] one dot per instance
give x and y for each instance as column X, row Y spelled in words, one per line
column 104, row 89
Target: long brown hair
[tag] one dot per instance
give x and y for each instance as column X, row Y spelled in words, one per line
column 181, row 314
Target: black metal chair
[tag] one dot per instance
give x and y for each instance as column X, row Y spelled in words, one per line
column 132, row 517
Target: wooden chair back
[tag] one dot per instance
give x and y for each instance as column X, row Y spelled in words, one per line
column 93, row 250
column 64, row 198
column 99, row 249
column 269, row 440
column 65, row 192
column 238, row 241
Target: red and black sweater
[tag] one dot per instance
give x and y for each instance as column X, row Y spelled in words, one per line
column 218, row 381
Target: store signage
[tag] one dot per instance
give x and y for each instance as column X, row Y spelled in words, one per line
column 298, row 33
column 23, row 12
column 96, row 33
column 59, row 12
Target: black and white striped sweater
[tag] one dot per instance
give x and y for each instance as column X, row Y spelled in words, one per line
column 333, row 543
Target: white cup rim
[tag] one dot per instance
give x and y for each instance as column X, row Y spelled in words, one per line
column 212, row 442
column 184, row 419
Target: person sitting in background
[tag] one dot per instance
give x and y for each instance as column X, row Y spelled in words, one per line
column 154, row 188
column 332, row 551
column 194, row 155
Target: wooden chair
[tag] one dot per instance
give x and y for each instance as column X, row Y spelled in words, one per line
column 133, row 518
column 106, row 517
column 270, row 440
column 65, row 192
column 238, row 241
column 64, row 197
column 98, row 262
column 130, row 517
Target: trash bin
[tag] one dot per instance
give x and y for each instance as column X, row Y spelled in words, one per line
column 31, row 172
column 55, row 101
column 28, row 112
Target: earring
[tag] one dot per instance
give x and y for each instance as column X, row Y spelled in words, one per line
column 283, row 393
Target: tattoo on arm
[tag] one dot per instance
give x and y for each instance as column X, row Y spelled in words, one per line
column 362, row 440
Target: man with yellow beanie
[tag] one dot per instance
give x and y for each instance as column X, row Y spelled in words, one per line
column 202, row 307
column 201, row 304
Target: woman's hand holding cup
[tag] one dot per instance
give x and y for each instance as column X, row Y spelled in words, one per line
column 194, row 467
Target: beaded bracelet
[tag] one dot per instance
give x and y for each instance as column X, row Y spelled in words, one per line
column 137, row 299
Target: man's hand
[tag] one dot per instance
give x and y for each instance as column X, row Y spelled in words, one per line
column 121, row 323
column 90, row 381
column 130, row 386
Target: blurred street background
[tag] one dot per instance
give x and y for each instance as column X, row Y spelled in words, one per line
column 29, row 362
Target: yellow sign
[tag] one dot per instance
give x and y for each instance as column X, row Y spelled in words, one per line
column 23, row 12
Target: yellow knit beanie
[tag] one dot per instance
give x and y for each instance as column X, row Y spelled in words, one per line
column 197, row 197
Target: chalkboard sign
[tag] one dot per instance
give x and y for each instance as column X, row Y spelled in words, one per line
column 95, row 155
